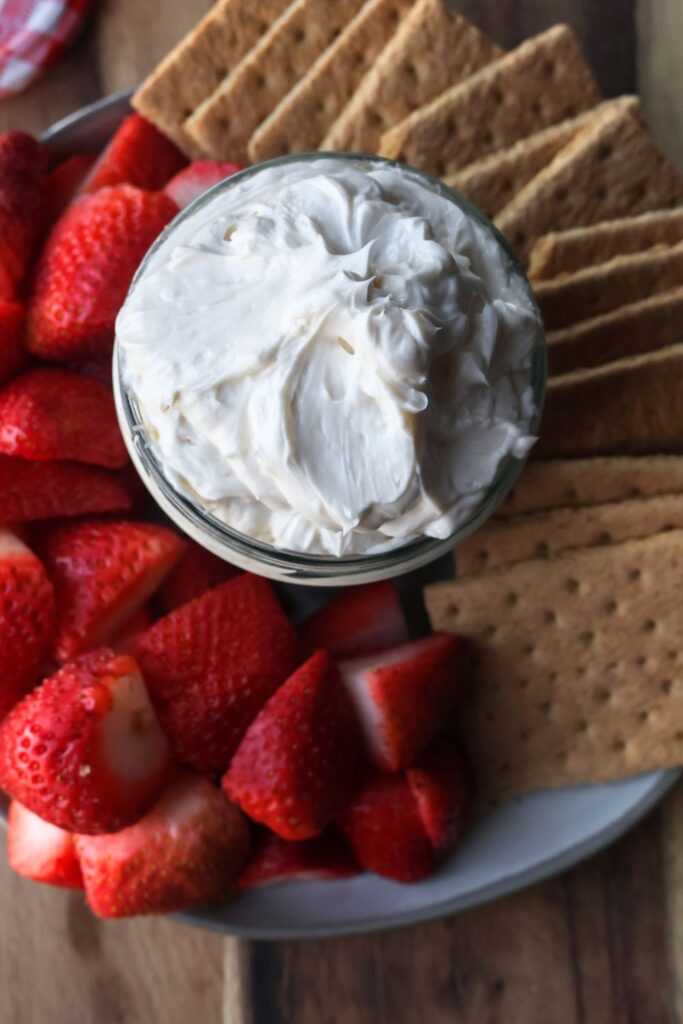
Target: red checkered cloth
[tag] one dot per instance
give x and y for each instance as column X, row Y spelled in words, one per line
column 33, row 35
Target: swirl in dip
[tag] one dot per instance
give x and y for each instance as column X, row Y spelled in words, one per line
column 332, row 357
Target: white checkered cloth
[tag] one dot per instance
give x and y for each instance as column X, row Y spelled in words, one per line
column 33, row 35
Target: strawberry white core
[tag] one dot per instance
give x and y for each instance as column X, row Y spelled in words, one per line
column 133, row 744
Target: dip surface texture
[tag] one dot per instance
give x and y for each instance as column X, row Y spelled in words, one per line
column 331, row 357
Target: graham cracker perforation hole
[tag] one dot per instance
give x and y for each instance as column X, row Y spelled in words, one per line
column 618, row 746
column 571, row 585
column 490, row 631
column 649, row 626
column 542, row 550
column 549, row 617
column 635, row 575
column 666, row 686
column 603, row 695
column 610, row 607
column 512, row 599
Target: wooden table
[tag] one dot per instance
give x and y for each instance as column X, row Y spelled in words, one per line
column 602, row 944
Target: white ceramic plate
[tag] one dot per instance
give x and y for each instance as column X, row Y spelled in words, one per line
column 520, row 843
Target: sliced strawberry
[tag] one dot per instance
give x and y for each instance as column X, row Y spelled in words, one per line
column 402, row 696
column 45, row 490
column 11, row 338
column 441, row 785
column 188, row 849
column 295, row 768
column 84, row 750
column 384, row 829
column 128, row 637
column 64, row 182
column 137, row 155
column 86, row 267
column 323, row 858
column 52, row 414
column 212, row 664
column 23, row 177
column 27, row 619
column 41, row 851
column 360, row 620
column 201, row 175
column 103, row 572
column 196, row 572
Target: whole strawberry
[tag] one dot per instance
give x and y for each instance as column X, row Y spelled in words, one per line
column 86, row 268
column 84, row 750
column 23, row 178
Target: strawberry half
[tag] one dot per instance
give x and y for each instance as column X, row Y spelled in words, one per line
column 360, row 620
column 41, row 851
column 103, row 571
column 188, row 849
column 137, row 155
column 384, row 829
column 196, row 572
column 23, row 178
column 212, row 664
column 45, row 490
column 86, row 268
column 27, row 619
column 63, row 183
column 194, row 180
column 11, row 338
column 323, row 858
column 52, row 414
column 295, row 768
column 441, row 785
column 402, row 696
column 84, row 750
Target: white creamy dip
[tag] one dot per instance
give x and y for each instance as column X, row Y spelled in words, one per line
column 331, row 357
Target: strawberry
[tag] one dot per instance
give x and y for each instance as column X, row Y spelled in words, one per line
column 441, row 785
column 188, row 849
column 360, row 620
column 212, row 664
column 137, row 155
column 86, row 267
column 44, row 490
column 323, row 858
column 196, row 572
column 103, row 572
column 295, row 767
column 27, row 619
column 52, row 414
column 11, row 338
column 84, row 750
column 23, row 177
column 383, row 827
column 63, row 183
column 201, row 175
column 402, row 696
column 41, row 851
column 126, row 640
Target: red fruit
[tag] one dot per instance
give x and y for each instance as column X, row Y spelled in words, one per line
column 323, row 858
column 44, row 490
column 383, row 827
column 212, row 664
column 441, row 785
column 86, row 267
column 27, row 619
column 360, row 620
column 295, row 768
column 402, row 696
column 23, row 177
column 84, row 750
column 11, row 338
column 187, row 849
column 137, row 155
column 52, row 414
column 126, row 640
column 201, row 175
column 64, row 182
column 103, row 572
column 196, row 572
column 41, row 851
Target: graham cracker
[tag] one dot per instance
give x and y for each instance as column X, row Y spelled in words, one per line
column 575, row 664
column 564, row 252
column 199, row 62
column 492, row 182
column 585, row 294
column 224, row 123
column 546, row 534
column 543, row 81
column 559, row 483
column 636, row 328
column 630, row 407
column 612, row 169
column 432, row 49
column 300, row 120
